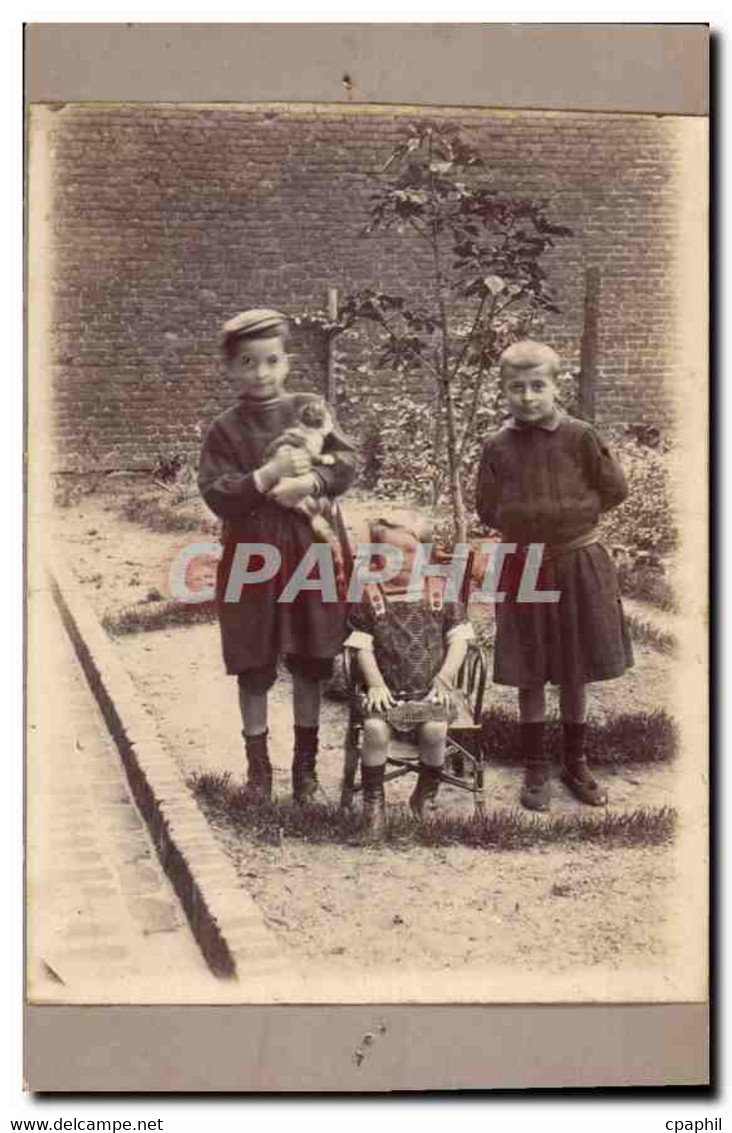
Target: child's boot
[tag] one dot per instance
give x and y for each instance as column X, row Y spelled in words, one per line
column 259, row 769
column 576, row 774
column 374, row 801
column 304, row 778
column 428, row 784
column 536, row 790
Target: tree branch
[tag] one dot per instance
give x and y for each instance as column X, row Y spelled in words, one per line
column 468, row 424
column 419, row 229
column 415, row 353
column 469, row 339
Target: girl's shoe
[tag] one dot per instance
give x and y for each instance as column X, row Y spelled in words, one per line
column 428, row 784
column 583, row 785
column 536, row 791
column 258, row 787
column 259, row 782
column 374, row 802
column 305, row 784
column 374, row 816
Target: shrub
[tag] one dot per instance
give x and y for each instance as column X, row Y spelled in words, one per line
column 647, row 584
column 168, row 466
column 644, row 525
column 404, row 446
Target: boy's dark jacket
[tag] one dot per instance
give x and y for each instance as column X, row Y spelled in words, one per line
column 257, row 628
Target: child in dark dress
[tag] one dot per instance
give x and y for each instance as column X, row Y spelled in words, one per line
column 257, row 498
column 545, row 478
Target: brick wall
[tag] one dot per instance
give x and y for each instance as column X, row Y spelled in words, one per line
column 169, row 219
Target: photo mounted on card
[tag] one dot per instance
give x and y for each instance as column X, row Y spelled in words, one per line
column 368, row 553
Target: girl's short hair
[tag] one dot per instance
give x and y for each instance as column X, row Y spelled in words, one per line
column 527, row 354
column 257, row 323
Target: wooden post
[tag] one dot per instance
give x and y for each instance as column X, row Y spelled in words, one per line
column 589, row 352
column 332, row 309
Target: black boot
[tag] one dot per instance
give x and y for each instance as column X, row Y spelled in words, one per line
column 428, row 784
column 576, row 774
column 374, row 801
column 536, row 790
column 304, row 779
column 259, row 769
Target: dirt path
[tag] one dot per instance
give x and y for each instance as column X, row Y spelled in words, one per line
column 457, row 909
column 178, row 673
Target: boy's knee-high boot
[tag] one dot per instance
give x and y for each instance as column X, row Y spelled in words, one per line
column 428, row 784
column 304, row 777
column 536, row 790
column 576, row 774
column 374, row 801
column 259, row 768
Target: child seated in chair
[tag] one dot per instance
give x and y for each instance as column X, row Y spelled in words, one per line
column 409, row 649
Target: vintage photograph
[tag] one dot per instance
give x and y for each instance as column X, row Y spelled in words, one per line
column 367, row 530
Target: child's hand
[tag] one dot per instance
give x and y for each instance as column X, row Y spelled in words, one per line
column 378, row 699
column 291, row 490
column 440, row 693
column 289, row 462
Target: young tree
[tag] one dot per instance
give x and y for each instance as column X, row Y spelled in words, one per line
column 486, row 282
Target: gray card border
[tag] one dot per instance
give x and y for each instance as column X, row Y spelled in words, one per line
column 639, row 68
column 659, row 69
column 310, row 1049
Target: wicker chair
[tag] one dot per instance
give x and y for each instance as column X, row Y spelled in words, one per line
column 465, row 748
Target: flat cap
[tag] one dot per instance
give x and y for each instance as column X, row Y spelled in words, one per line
column 250, row 322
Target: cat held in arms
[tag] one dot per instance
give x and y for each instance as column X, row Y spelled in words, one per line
column 311, row 433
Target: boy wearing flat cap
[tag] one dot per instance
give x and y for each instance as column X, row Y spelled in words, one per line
column 257, row 500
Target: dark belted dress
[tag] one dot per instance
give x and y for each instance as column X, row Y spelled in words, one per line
column 549, row 484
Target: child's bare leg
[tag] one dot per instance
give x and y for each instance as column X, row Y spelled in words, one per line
column 306, row 711
column 536, row 789
column 374, row 751
column 375, row 742
column 576, row 774
column 253, row 706
column 432, row 740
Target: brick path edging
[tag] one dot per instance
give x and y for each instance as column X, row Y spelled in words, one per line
column 227, row 925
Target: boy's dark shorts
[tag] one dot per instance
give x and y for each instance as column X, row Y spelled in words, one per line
column 261, row 678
